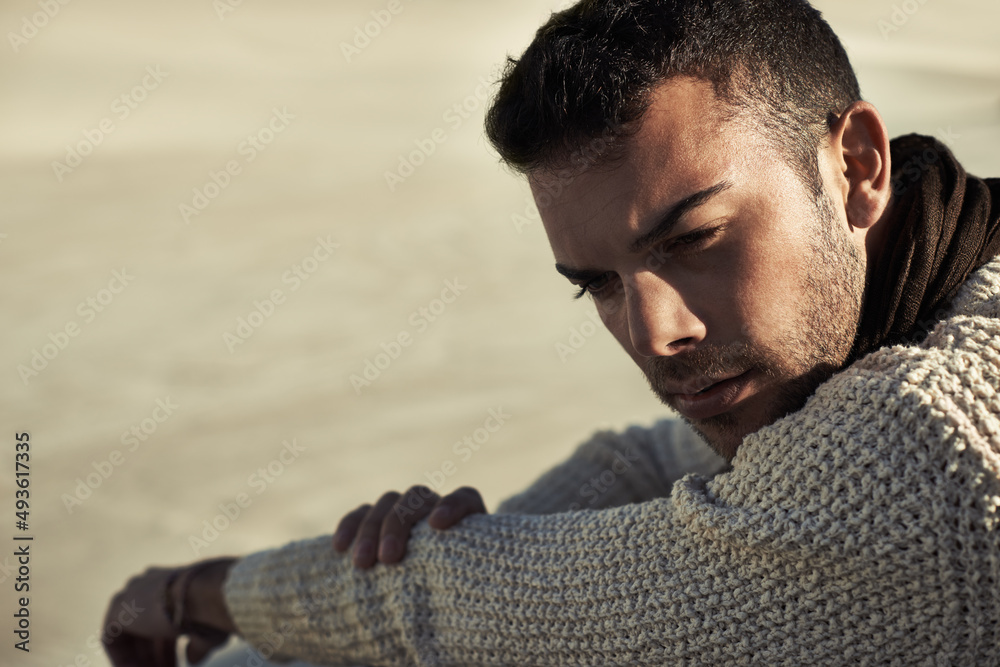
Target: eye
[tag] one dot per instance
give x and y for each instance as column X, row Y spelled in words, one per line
column 594, row 286
column 687, row 244
column 695, row 237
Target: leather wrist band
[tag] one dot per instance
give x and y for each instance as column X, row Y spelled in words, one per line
column 176, row 593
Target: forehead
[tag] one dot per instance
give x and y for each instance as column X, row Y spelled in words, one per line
column 686, row 142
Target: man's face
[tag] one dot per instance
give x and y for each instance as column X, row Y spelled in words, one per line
column 712, row 264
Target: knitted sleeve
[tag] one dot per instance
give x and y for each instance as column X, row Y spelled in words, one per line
column 613, row 469
column 862, row 529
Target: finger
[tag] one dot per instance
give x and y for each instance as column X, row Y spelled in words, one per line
column 143, row 652
column 368, row 532
column 164, row 652
column 412, row 506
column 348, row 528
column 201, row 644
column 122, row 651
column 456, row 506
column 120, row 647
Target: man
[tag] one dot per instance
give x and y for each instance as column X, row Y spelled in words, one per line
column 818, row 303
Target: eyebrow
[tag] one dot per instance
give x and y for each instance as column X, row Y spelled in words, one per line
column 674, row 214
column 668, row 220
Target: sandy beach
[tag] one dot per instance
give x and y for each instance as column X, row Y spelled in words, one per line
column 254, row 251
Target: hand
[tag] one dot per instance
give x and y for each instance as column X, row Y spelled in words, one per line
column 387, row 525
column 138, row 630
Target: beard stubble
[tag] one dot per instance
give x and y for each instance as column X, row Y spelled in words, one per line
column 793, row 362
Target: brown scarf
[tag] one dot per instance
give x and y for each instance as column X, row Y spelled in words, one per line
column 943, row 226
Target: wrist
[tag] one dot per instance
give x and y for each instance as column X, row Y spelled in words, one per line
column 197, row 598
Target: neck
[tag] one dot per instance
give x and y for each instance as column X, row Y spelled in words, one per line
column 876, row 239
column 940, row 226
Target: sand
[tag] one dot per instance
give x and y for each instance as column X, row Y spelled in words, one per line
column 122, row 309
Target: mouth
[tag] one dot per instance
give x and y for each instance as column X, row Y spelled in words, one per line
column 713, row 399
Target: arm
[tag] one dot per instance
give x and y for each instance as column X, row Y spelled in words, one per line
column 145, row 618
column 609, row 470
column 857, row 530
column 613, row 469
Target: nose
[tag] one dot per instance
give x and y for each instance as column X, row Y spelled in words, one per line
column 660, row 323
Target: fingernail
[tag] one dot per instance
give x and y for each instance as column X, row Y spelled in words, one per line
column 389, row 550
column 338, row 540
column 441, row 514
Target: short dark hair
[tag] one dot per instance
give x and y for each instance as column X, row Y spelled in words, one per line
column 593, row 66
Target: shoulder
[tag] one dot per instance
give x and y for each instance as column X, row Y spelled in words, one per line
column 908, row 424
column 979, row 295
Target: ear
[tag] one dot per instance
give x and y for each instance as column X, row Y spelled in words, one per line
column 859, row 144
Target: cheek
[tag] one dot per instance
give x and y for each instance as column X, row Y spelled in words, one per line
column 766, row 286
column 611, row 305
column 613, row 314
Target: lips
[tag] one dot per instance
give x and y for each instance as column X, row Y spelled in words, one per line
column 702, row 401
column 698, row 386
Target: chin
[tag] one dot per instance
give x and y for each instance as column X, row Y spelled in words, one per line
column 724, row 433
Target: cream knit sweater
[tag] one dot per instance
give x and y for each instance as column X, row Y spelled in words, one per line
column 860, row 530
